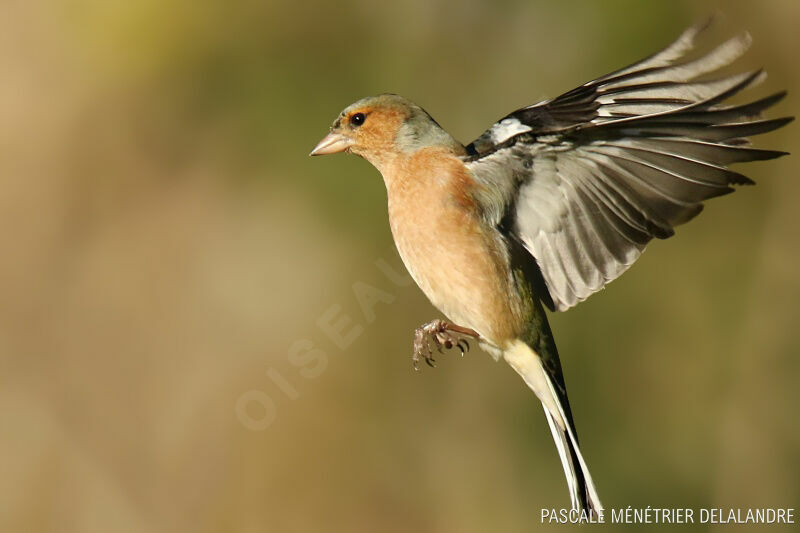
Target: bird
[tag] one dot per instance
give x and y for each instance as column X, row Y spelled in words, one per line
column 554, row 201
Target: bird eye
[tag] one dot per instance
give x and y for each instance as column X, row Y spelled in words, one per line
column 358, row 119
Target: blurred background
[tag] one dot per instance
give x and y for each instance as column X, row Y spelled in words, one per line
column 184, row 344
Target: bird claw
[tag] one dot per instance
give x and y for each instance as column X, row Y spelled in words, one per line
column 462, row 345
column 440, row 335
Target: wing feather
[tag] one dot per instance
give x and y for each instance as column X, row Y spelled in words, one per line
column 674, row 51
column 712, row 153
column 687, row 167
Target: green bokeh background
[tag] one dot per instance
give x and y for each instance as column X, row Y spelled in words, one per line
column 166, row 241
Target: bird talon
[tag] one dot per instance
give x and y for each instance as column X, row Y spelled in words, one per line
column 438, row 335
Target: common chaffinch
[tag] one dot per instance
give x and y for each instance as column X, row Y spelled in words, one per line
column 552, row 202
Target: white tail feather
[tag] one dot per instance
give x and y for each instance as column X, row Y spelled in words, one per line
column 559, row 437
column 528, row 365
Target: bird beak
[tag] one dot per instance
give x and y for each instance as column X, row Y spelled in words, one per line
column 331, row 144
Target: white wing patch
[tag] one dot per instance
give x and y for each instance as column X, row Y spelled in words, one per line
column 507, row 128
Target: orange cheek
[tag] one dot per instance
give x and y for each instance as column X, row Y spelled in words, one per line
column 380, row 129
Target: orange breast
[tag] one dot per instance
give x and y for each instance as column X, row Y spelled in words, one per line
column 458, row 262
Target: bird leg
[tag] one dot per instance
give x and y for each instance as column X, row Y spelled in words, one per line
column 439, row 334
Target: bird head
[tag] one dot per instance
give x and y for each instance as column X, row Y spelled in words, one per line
column 380, row 128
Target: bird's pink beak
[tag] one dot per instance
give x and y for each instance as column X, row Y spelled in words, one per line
column 331, row 144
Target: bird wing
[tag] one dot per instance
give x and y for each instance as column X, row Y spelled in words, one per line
column 586, row 180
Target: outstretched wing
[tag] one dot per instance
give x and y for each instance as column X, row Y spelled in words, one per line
column 586, row 180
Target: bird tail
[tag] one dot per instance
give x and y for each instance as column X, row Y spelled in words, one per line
column 542, row 372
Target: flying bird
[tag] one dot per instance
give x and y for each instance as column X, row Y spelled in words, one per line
column 553, row 202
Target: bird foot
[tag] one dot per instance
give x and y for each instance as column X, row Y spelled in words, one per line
column 439, row 334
